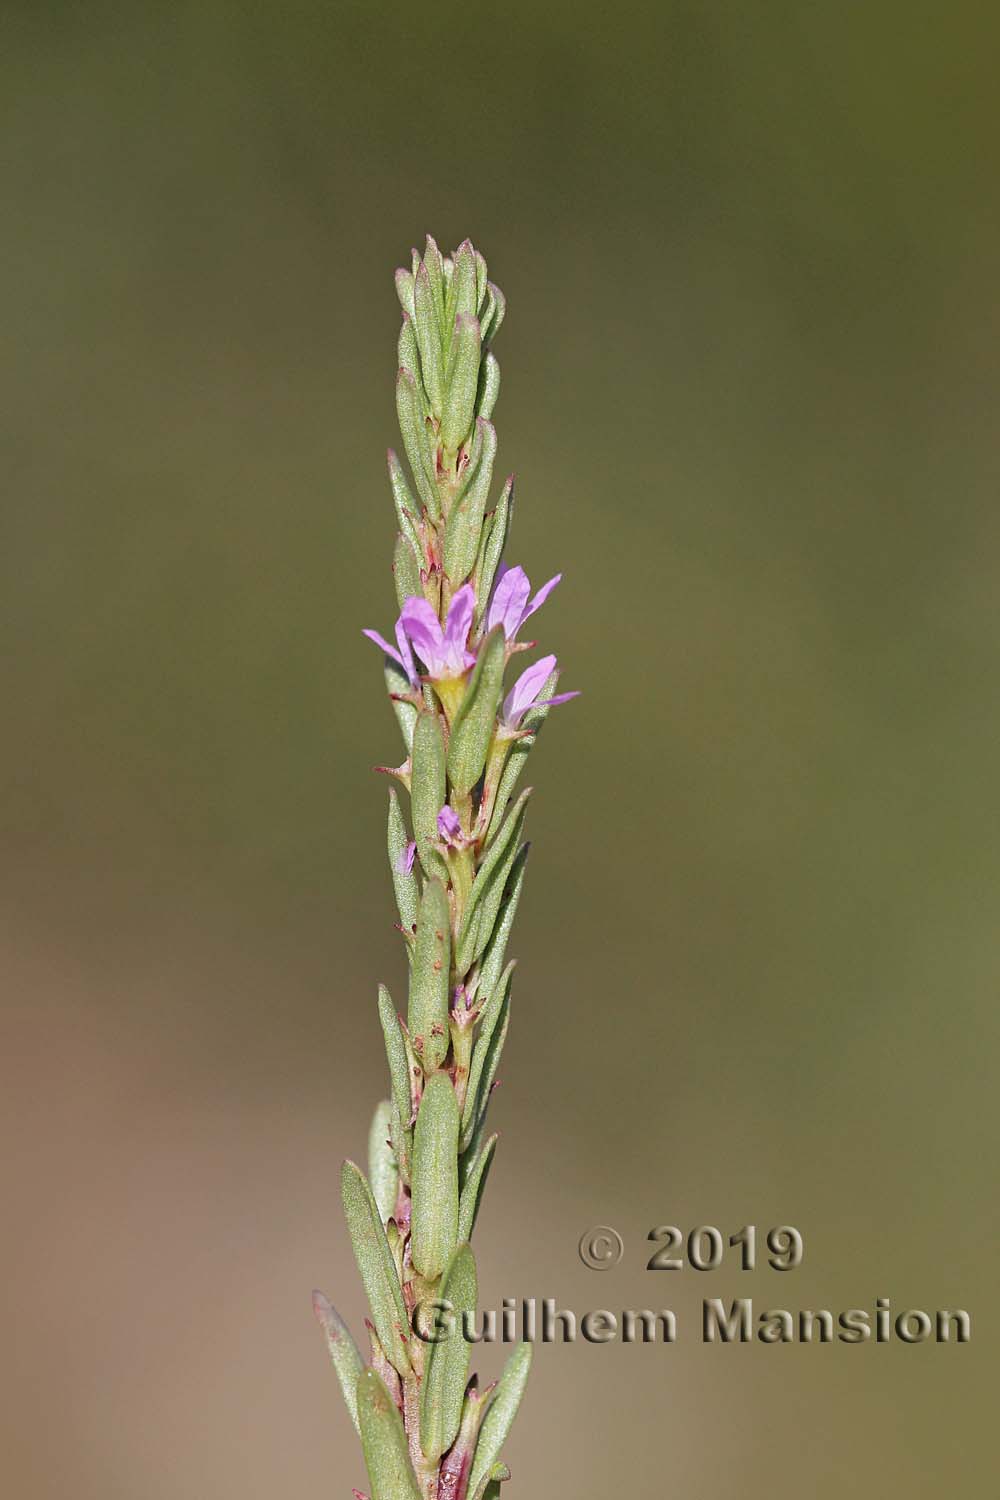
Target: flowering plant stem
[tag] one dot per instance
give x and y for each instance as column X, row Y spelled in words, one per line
column 427, row 1431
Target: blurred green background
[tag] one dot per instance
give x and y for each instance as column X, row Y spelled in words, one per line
column 750, row 377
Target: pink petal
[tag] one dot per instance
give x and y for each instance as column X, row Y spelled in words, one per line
column 526, row 689
column 509, row 600
column 558, row 698
column 424, row 630
column 390, row 651
column 540, row 597
column 448, row 825
column 406, row 655
column 459, row 620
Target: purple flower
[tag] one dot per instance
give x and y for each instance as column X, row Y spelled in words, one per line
column 524, row 695
column 403, row 657
column 448, row 825
column 450, row 828
column 444, row 653
column 510, row 605
column 461, row 1000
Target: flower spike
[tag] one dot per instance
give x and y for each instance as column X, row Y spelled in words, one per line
column 457, row 863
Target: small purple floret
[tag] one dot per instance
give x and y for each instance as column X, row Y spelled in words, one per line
column 449, row 827
column 511, row 604
column 444, row 653
column 525, row 694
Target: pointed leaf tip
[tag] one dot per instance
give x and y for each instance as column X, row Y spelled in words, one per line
column 383, row 1171
column 500, row 1416
column 344, row 1354
column 376, row 1264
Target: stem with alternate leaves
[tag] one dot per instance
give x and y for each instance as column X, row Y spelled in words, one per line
column 427, row 1431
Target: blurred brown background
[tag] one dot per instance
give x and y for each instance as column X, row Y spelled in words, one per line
column 750, row 376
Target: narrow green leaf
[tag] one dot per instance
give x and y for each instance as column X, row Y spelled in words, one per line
column 375, row 1262
column 398, row 1073
column 404, row 882
column 464, row 290
column 406, row 714
column 407, row 506
column 496, row 948
column 416, row 440
column 488, row 887
column 477, row 571
column 395, row 1239
column 472, row 1190
column 492, row 1059
column 492, row 548
column 408, row 355
column 448, row 315
column 405, row 570
column 497, row 1423
column 446, row 1367
column 404, row 290
column 428, row 331
column 492, row 1001
column 387, row 1455
column 401, row 1137
column 383, row 1173
column 487, row 312
column 499, row 309
column 427, row 1018
column 343, row 1351
column 489, row 387
column 463, row 532
column 481, row 279
column 434, row 1215
column 428, row 789
column 434, row 262
column 519, row 752
column 470, row 1150
column 487, row 910
column 475, row 721
column 486, row 1055
column 463, row 381
column 416, row 1072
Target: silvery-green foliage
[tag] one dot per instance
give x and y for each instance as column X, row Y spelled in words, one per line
column 457, row 864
